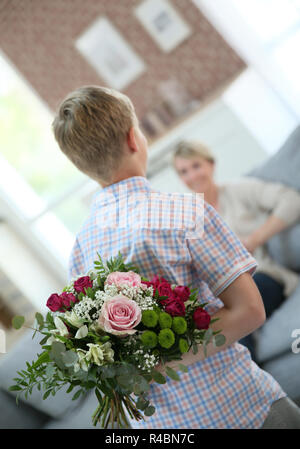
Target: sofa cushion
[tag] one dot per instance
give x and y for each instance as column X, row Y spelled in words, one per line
column 285, row 369
column 284, row 167
column 24, row 350
column 274, row 337
column 22, row 416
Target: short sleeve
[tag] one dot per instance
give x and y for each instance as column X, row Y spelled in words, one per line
column 76, row 261
column 218, row 257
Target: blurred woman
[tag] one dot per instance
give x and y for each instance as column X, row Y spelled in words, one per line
column 254, row 209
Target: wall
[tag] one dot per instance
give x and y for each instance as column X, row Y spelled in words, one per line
column 38, row 37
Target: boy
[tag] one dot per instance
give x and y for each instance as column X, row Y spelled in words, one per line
column 98, row 130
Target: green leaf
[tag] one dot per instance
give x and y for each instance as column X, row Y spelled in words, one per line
column 124, row 381
column 108, row 371
column 172, row 373
column 50, row 370
column 18, row 321
column 76, row 395
column 46, row 394
column 15, row 388
column 40, row 319
column 158, row 377
column 43, row 358
column 195, row 348
column 69, row 358
column 107, row 391
column 99, row 397
column 56, row 352
column 70, row 389
column 43, row 341
column 220, row 339
column 149, row 410
column 208, row 334
column 183, row 368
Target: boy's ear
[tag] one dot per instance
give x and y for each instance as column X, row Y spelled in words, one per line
column 131, row 139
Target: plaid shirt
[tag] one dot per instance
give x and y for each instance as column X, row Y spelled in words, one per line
column 226, row 390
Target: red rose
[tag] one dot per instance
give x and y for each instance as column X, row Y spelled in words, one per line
column 164, row 289
column 182, row 292
column 155, row 282
column 82, row 283
column 201, row 318
column 54, row 302
column 174, row 306
column 67, row 298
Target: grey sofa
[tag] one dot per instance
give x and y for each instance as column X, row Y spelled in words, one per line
column 273, row 338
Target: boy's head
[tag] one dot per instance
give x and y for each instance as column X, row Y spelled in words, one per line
column 97, row 129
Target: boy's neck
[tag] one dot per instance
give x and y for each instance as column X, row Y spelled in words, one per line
column 121, row 177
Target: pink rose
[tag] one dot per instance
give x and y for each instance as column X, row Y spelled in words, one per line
column 182, row 292
column 120, row 278
column 82, row 283
column 67, row 298
column 54, row 302
column 120, row 315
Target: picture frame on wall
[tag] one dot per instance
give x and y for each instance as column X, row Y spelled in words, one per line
column 103, row 46
column 163, row 23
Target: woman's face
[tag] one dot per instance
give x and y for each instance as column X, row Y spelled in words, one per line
column 197, row 173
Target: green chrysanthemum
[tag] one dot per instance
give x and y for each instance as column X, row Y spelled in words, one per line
column 166, row 338
column 179, row 325
column 165, row 320
column 149, row 339
column 149, row 318
column 183, row 345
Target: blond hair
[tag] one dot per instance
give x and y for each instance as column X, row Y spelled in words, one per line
column 91, row 127
column 190, row 149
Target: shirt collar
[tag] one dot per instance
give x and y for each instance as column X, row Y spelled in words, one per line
column 129, row 185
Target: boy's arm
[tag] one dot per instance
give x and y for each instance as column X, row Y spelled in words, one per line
column 220, row 260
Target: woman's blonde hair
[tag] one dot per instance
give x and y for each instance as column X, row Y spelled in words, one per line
column 91, row 127
column 189, row 149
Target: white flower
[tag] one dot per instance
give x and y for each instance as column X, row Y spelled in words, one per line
column 61, row 329
column 82, row 332
column 82, row 362
column 74, row 319
column 99, row 354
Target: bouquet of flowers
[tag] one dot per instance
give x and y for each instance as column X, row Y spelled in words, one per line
column 108, row 331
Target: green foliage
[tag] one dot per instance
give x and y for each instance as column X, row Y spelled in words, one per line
column 183, row 345
column 158, row 377
column 149, row 318
column 114, row 264
column 149, row 339
column 179, row 325
column 166, row 338
column 18, row 321
column 165, row 320
column 172, row 373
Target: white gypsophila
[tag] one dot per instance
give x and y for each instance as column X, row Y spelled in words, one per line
column 142, row 296
column 111, row 289
column 88, row 309
column 146, row 360
column 101, row 297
